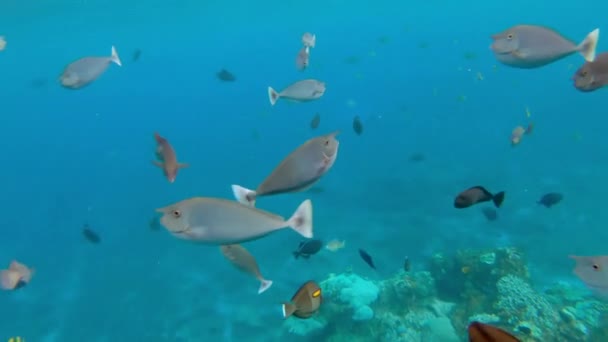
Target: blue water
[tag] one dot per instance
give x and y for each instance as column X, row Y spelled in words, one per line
column 75, row 157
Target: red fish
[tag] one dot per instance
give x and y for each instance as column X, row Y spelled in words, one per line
column 593, row 271
column 479, row 332
column 167, row 160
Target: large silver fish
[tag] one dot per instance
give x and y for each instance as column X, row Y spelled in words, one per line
column 84, row 71
column 222, row 222
column 301, row 91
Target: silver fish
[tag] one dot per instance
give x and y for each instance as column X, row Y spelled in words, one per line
column 222, row 222
column 309, row 39
column 530, row 46
column 301, row 91
column 299, row 171
column 302, row 59
column 240, row 257
column 84, row 71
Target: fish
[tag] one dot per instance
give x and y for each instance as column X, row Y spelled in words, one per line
column 407, row 265
column 16, row 276
column 2, row 43
column 136, row 55
column 593, row 271
column 303, row 58
column 417, row 157
column 218, row 221
column 335, row 245
column 531, row 46
column 90, row 235
column 300, row 91
column 244, row 261
column 154, row 223
column 367, row 258
column 550, row 199
column 490, row 213
column 592, row 76
column 225, row 75
column 16, row 339
column 299, row 171
column 357, row 125
column 477, row 194
column 316, row 120
column 518, row 133
column 480, row 332
column 305, row 302
column 167, row 160
column 309, row 40
column 308, row 248
column 84, row 71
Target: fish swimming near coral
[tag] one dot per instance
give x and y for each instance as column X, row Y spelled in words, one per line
column 367, row 258
column 305, row 302
column 308, row 248
column 244, row 261
column 593, row 271
column 480, row 332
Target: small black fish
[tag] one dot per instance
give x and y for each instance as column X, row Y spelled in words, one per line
column 490, row 213
column 357, row 125
column 417, row 157
column 478, row 194
column 550, row 199
column 154, row 223
column 225, row 75
column 90, row 235
column 407, row 265
column 367, row 258
column 136, row 55
column 308, row 248
column 314, row 123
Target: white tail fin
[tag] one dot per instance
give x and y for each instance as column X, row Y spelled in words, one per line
column 244, row 195
column 588, row 46
column 301, row 220
column 273, row 96
column 264, row 285
column 115, row 57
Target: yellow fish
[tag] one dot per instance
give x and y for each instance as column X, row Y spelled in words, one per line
column 335, row 245
column 528, row 113
column 16, row 339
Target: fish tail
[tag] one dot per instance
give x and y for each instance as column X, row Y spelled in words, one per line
column 498, row 199
column 273, row 96
column 264, row 285
column 530, row 128
column 301, row 220
column 296, row 254
column 115, row 57
column 588, row 45
column 288, row 309
column 244, row 195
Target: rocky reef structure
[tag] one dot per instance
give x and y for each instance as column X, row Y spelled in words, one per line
column 491, row 286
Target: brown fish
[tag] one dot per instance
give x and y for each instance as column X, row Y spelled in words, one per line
column 592, row 75
column 303, row 57
column 314, row 123
column 305, row 302
column 518, row 133
column 480, row 332
column 477, row 194
column 244, row 261
column 16, row 276
column 357, row 125
column 593, row 271
column 531, row 46
column 299, row 171
column 167, row 160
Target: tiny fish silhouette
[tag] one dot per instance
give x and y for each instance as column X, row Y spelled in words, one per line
column 550, row 199
column 407, row 265
column 136, row 55
column 90, row 235
column 367, row 258
column 226, row 76
column 314, row 123
column 357, row 125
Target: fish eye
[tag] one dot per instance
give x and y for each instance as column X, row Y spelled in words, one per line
column 596, row 267
column 584, row 73
column 510, row 36
column 176, row 213
column 326, row 142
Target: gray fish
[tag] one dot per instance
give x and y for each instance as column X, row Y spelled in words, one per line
column 244, row 261
column 84, row 71
column 222, row 222
column 301, row 91
column 530, row 46
column 592, row 75
column 299, row 171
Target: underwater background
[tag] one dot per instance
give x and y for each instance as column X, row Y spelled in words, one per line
column 421, row 77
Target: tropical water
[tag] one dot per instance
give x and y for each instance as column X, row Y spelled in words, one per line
column 420, row 76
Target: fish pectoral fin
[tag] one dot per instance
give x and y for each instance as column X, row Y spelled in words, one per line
column 520, row 53
column 182, row 165
column 157, row 163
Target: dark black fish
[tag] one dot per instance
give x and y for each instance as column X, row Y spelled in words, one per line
column 367, row 258
column 550, row 199
column 477, row 194
column 90, row 235
column 407, row 265
column 136, row 55
column 357, row 125
column 490, row 213
column 225, row 75
column 308, row 248
column 417, row 157
column 314, row 123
